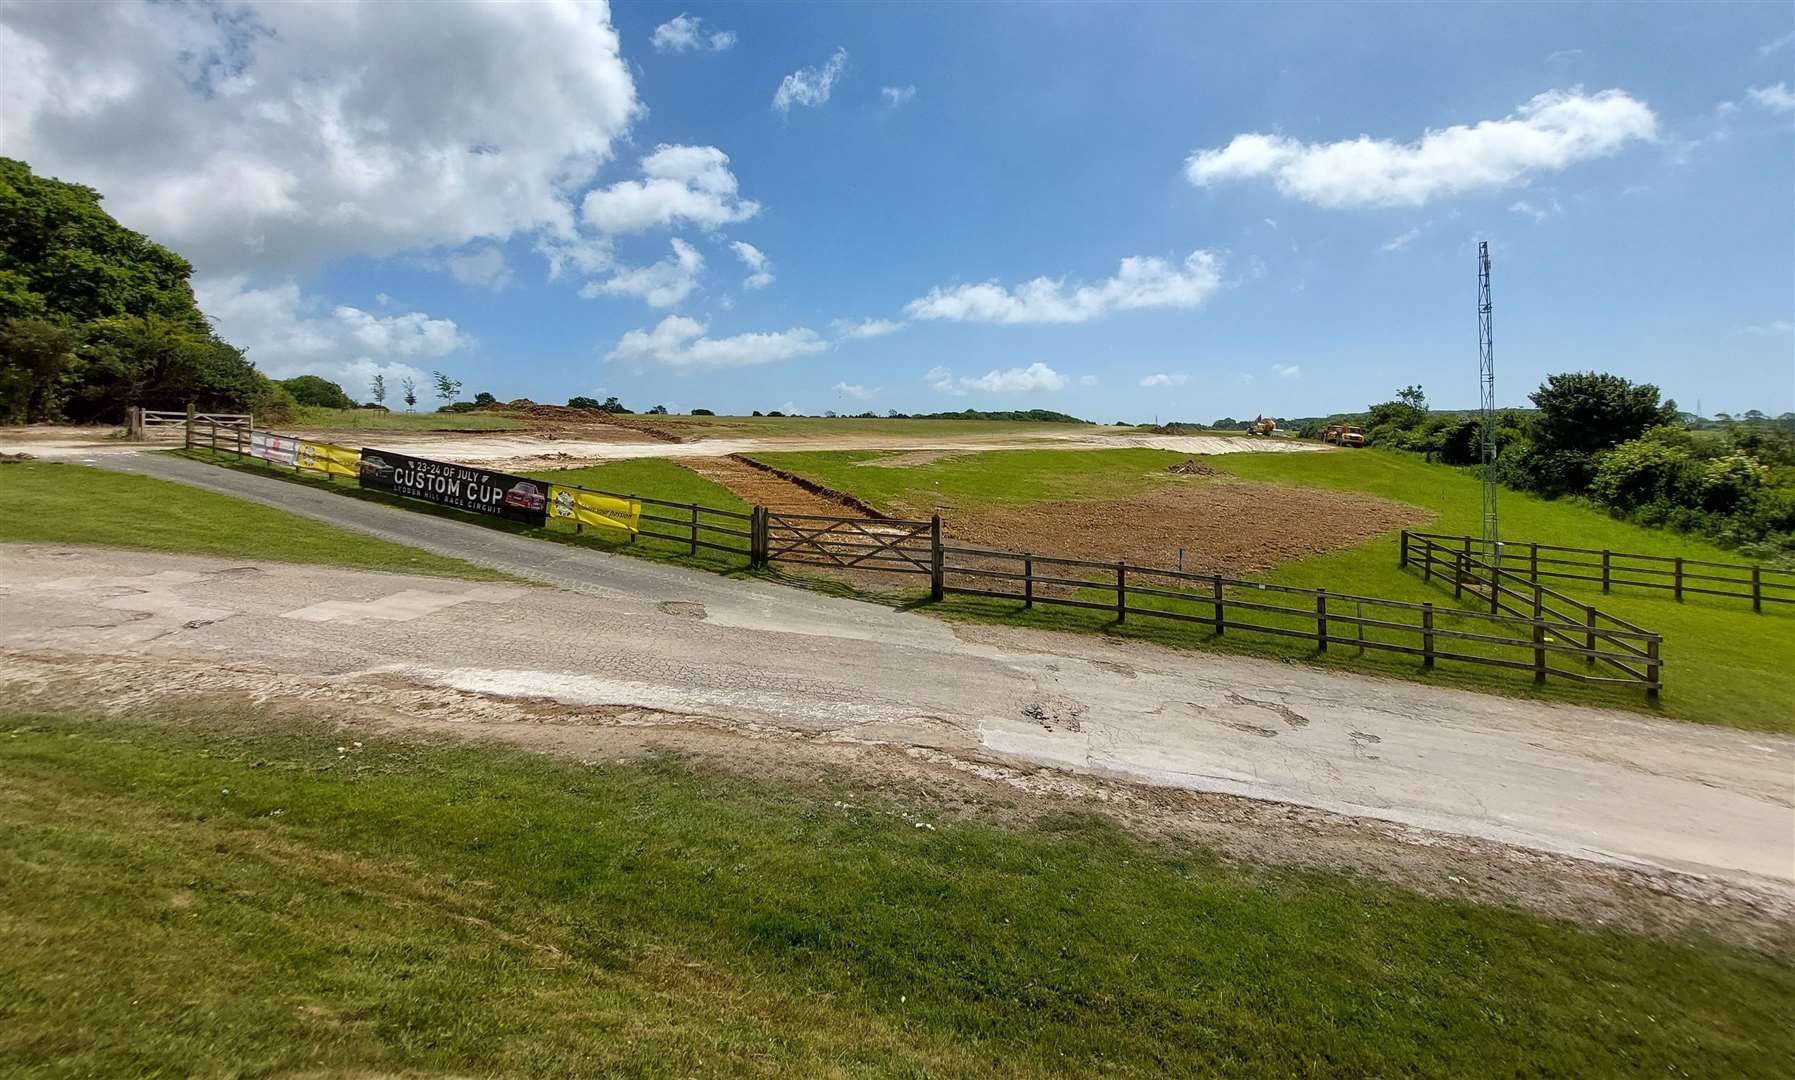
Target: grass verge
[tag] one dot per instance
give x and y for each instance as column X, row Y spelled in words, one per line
column 652, row 477
column 267, row 904
column 316, row 418
column 52, row 503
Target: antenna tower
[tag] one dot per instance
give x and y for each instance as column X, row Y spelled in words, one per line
column 1486, row 378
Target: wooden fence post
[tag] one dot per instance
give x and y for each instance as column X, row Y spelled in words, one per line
column 1427, row 560
column 1679, row 585
column 1403, row 562
column 1607, row 560
column 1121, row 592
column 212, row 428
column 1651, row 667
column 190, row 423
column 1533, row 566
column 1321, row 619
column 1028, row 581
column 1757, row 591
column 694, row 550
column 1539, row 637
column 757, row 548
column 1427, row 635
column 1589, row 620
column 1219, row 624
column 937, row 560
column 1458, row 575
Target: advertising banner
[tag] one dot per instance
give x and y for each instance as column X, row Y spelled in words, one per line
column 328, row 458
column 590, row 508
column 464, row 487
column 278, row 449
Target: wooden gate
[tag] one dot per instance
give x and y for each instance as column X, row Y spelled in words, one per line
column 887, row 544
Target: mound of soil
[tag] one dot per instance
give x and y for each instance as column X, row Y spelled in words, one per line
column 558, row 419
column 1192, row 467
column 1225, row 525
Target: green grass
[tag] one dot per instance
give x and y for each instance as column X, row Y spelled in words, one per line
column 232, row 896
column 991, row 478
column 651, row 477
column 45, row 502
column 314, row 418
column 717, row 427
column 1723, row 664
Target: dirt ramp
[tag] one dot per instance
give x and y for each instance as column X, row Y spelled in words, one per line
column 1226, row 525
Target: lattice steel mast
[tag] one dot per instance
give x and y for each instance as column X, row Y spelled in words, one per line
column 1486, row 378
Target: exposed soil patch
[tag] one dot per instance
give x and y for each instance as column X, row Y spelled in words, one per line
column 1222, row 524
column 549, row 420
column 773, row 490
column 910, row 459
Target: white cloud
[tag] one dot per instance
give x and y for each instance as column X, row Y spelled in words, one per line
column 662, row 284
column 1087, row 380
column 1774, row 328
column 1776, row 98
column 855, row 391
column 1142, row 282
column 484, row 266
column 679, row 343
column 865, row 328
column 1550, row 133
column 810, row 86
column 1165, row 380
column 1244, row 378
column 1288, row 371
column 683, row 33
column 271, row 137
column 1402, row 239
column 682, row 185
column 1016, row 380
column 760, row 268
column 1780, row 43
column 1534, row 211
column 579, row 253
column 286, row 333
column 896, row 97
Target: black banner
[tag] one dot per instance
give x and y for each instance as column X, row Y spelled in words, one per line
column 479, row 491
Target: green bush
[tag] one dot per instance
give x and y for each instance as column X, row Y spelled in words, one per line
column 317, row 391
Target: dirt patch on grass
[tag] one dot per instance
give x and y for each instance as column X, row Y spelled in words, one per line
column 774, row 489
column 1222, row 524
column 910, row 459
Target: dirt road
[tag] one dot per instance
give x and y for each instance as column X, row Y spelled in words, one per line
column 630, row 633
column 524, row 449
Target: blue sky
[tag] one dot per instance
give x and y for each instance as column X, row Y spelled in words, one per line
column 1118, row 211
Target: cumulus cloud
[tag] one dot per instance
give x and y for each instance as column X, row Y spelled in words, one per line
column 1165, row 380
column 286, row 333
column 271, row 137
column 855, row 391
column 1550, row 133
column 683, row 33
column 1776, row 98
column 896, row 97
column 484, row 266
column 1016, row 380
column 810, row 86
column 865, row 328
column 1402, row 239
column 1288, row 371
column 662, row 284
column 682, row 185
column 1774, row 328
column 1143, row 281
column 760, row 268
column 680, row 343
column 1534, row 210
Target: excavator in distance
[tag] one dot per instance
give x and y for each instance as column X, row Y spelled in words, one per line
column 1262, row 425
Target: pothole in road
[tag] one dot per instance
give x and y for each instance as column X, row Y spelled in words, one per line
column 685, row 609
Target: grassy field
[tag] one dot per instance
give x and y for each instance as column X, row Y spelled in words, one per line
column 314, row 418
column 267, row 905
column 651, row 477
column 1723, row 665
column 994, row 477
column 47, row 502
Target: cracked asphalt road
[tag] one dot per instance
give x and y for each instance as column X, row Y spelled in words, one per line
column 626, row 632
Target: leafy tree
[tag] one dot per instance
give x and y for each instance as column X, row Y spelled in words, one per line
column 1413, row 397
column 584, row 403
column 612, row 405
column 446, row 388
column 377, row 388
column 702, row 412
column 658, row 410
column 483, row 399
column 1586, row 411
column 317, row 391
column 35, row 354
column 410, row 387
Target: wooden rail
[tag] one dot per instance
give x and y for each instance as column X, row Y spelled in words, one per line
column 1497, row 639
column 889, row 544
column 1611, row 569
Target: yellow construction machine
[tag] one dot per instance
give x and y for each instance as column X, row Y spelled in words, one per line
column 1262, row 425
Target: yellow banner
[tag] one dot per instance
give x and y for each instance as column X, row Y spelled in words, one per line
column 586, row 508
column 329, row 458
